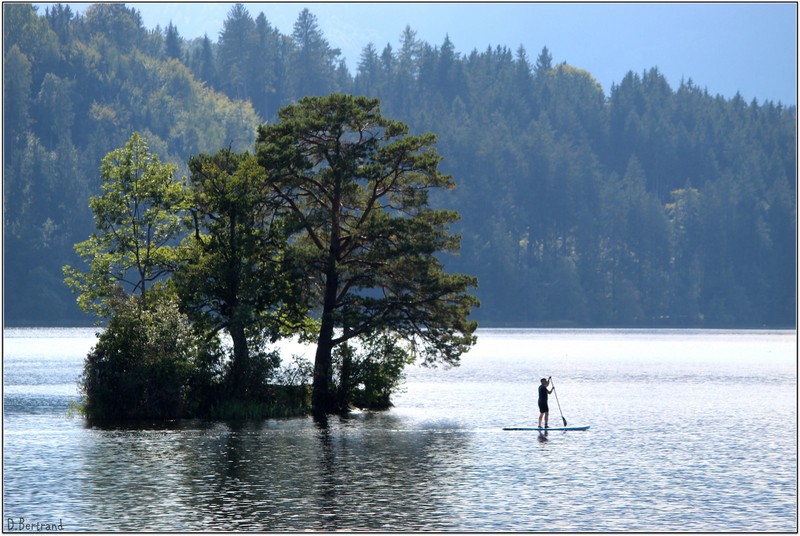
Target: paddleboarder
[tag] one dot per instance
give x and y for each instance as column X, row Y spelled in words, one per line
column 544, row 410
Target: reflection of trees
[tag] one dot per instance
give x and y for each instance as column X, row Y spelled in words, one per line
column 327, row 487
column 376, row 477
column 132, row 479
column 357, row 473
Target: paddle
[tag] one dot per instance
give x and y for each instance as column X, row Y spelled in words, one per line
column 559, row 405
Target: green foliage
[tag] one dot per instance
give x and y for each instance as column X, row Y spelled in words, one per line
column 358, row 185
column 144, row 364
column 647, row 205
column 315, row 62
column 276, row 392
column 138, row 216
column 230, row 276
column 538, row 152
column 374, row 368
column 18, row 91
column 81, row 85
column 234, row 275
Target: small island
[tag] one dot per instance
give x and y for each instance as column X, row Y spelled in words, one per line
column 323, row 233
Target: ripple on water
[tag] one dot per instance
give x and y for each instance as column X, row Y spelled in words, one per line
column 676, row 444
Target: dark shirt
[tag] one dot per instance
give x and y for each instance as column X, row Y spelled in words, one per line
column 543, row 393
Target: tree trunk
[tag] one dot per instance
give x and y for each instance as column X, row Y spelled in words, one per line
column 236, row 326
column 241, row 355
column 323, row 400
column 323, row 395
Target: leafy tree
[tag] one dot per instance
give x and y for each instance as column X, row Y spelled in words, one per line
column 368, row 80
column 201, row 62
column 60, row 18
column 53, row 108
column 637, row 255
column 234, row 276
column 314, row 62
column 17, row 90
column 138, row 217
column 34, row 37
column 149, row 358
column 144, row 365
column 269, row 75
column 688, row 252
column 172, row 42
column 118, row 23
column 371, row 370
column 235, row 53
column 406, row 69
column 544, row 62
column 358, row 185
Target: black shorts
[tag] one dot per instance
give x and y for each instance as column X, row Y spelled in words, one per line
column 543, row 406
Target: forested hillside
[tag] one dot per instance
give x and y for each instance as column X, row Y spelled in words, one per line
column 649, row 206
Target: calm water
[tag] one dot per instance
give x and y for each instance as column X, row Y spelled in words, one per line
column 690, row 431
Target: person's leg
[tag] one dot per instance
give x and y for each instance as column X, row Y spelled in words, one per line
column 540, row 419
column 546, row 415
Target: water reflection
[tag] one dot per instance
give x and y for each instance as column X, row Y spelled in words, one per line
column 438, row 460
column 280, row 475
column 327, row 471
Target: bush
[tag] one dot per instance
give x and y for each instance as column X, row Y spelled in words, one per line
column 153, row 364
column 374, row 372
column 145, row 363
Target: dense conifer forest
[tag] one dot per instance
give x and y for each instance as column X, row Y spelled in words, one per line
column 646, row 206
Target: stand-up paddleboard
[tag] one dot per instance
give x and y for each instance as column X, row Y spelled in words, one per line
column 537, row 429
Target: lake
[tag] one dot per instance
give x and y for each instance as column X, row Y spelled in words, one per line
column 690, row 431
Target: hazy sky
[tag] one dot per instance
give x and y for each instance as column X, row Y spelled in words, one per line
column 724, row 47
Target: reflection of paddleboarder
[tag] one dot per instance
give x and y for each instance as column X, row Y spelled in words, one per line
column 544, row 410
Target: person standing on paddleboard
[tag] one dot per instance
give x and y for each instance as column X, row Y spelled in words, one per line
column 544, row 410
